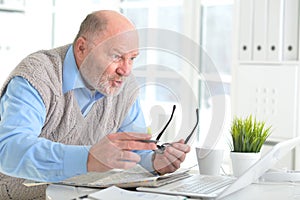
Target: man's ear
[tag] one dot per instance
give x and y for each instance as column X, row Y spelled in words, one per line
column 80, row 50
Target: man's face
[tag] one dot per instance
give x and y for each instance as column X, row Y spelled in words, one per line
column 109, row 63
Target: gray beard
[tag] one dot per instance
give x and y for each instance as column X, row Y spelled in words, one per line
column 104, row 88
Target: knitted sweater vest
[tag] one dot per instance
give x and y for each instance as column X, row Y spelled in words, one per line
column 64, row 121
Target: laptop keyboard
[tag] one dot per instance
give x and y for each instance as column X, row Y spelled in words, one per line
column 204, row 184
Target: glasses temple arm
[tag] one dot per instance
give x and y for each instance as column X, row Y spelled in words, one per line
column 190, row 135
column 163, row 130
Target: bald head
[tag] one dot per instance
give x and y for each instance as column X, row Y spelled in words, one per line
column 116, row 22
column 104, row 27
column 104, row 50
column 103, row 24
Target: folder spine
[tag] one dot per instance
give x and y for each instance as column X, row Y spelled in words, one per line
column 291, row 30
column 245, row 29
column 260, row 30
column 275, row 30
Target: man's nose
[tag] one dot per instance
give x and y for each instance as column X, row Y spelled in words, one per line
column 124, row 68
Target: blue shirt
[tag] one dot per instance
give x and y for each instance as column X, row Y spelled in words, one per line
column 26, row 155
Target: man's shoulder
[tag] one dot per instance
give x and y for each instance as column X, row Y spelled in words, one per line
column 43, row 61
column 49, row 55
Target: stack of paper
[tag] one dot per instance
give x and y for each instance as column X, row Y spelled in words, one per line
column 115, row 193
column 134, row 177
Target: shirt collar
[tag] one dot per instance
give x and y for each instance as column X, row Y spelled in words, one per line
column 71, row 75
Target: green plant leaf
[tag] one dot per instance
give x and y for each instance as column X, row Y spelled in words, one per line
column 248, row 135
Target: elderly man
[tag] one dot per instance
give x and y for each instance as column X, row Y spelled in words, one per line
column 75, row 109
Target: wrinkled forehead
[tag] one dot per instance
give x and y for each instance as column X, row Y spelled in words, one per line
column 100, row 55
column 125, row 42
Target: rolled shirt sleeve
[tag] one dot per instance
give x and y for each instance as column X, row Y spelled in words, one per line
column 23, row 153
column 26, row 155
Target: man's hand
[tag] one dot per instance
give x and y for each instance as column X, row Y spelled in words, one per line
column 172, row 157
column 114, row 151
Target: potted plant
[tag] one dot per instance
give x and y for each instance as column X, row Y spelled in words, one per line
column 248, row 136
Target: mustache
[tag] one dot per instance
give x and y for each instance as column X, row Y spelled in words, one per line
column 116, row 78
column 106, row 78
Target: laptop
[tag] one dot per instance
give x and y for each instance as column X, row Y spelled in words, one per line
column 216, row 187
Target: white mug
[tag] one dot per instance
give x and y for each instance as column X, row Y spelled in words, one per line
column 209, row 160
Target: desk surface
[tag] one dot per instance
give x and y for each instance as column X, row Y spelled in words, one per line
column 261, row 191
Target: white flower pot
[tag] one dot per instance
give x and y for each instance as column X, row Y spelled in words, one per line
column 241, row 161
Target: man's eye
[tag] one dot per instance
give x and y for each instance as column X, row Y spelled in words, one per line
column 116, row 57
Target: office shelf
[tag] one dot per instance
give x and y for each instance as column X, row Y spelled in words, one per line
column 7, row 8
column 265, row 85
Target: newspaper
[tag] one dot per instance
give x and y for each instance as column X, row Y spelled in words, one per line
column 134, row 177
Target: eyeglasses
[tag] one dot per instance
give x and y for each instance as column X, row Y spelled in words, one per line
column 161, row 148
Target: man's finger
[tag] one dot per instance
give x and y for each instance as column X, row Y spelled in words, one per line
column 129, row 156
column 124, row 165
column 176, row 153
column 182, row 147
column 172, row 160
column 128, row 136
column 135, row 145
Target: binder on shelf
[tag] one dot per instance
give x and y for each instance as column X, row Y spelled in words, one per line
column 260, row 29
column 291, row 30
column 245, row 29
column 275, row 30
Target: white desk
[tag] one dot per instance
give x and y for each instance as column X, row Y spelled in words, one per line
column 285, row 191
column 63, row 192
column 274, row 191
